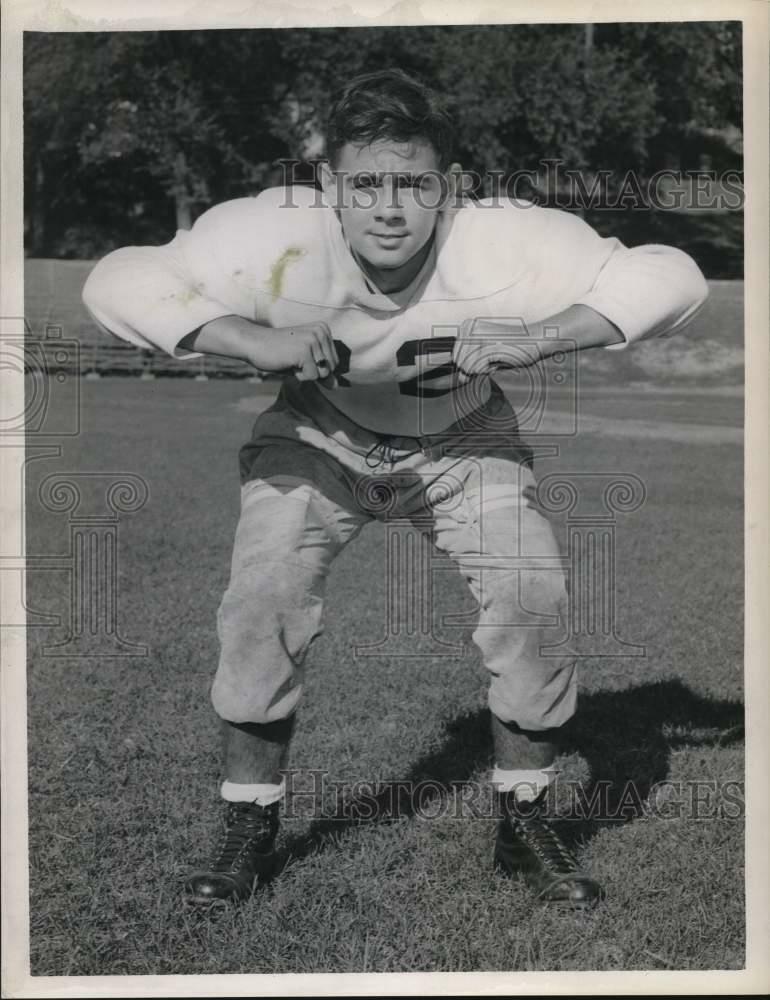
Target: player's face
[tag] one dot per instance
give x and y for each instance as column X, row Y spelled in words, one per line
column 387, row 195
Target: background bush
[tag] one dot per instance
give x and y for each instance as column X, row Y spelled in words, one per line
column 131, row 135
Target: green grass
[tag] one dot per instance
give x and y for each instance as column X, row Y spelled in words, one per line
column 123, row 753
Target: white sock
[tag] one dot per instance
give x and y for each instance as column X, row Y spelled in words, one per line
column 263, row 794
column 525, row 785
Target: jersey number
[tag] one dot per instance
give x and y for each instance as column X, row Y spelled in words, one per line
column 406, row 357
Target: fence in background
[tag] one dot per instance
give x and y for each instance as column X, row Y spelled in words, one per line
column 103, row 358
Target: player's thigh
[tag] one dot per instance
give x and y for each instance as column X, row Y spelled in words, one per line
column 491, row 508
column 502, row 543
column 296, row 511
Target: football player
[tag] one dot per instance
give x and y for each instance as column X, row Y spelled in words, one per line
column 386, row 300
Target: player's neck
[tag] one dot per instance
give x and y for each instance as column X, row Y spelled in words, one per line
column 395, row 279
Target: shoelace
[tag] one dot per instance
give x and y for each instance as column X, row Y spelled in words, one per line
column 546, row 843
column 245, row 824
column 380, row 453
column 383, row 451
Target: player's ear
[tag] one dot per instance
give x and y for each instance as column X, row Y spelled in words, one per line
column 454, row 178
column 329, row 183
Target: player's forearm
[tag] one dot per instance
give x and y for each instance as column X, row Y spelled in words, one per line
column 486, row 344
column 227, row 336
column 577, row 328
column 306, row 350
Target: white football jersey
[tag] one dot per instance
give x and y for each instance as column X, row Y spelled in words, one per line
column 281, row 259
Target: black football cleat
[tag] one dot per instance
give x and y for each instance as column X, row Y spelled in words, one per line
column 527, row 845
column 246, row 856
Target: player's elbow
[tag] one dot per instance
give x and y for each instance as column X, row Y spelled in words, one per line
column 687, row 287
column 95, row 299
column 91, row 294
column 96, row 290
column 109, row 287
column 694, row 290
column 688, row 292
column 695, row 285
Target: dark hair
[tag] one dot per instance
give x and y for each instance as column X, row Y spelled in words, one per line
column 388, row 104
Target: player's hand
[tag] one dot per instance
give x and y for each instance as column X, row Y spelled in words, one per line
column 306, row 351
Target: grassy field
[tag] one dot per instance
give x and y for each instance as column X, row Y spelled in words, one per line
column 123, row 752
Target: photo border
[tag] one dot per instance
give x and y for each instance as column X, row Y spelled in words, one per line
column 102, row 15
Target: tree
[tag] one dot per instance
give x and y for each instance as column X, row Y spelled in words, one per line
column 176, row 112
column 697, row 69
column 518, row 93
column 131, row 134
column 131, row 120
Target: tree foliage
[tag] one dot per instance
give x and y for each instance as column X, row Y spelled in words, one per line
column 131, row 134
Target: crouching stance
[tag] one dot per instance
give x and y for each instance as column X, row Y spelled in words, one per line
column 387, row 301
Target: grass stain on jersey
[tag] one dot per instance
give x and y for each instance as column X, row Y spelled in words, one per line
column 186, row 296
column 278, row 270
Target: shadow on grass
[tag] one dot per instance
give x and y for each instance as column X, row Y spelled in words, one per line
column 626, row 738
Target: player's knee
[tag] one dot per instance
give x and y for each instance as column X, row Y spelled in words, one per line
column 536, row 590
column 261, row 602
column 535, row 696
column 255, row 702
column 543, row 586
